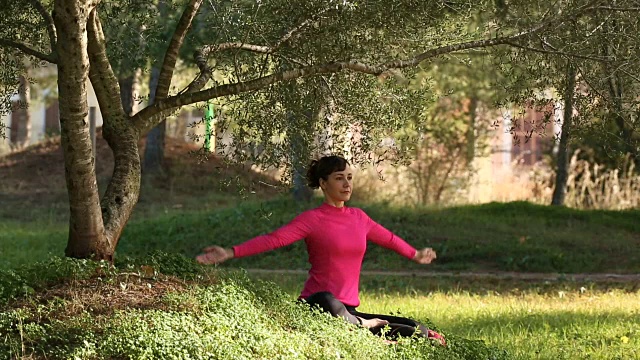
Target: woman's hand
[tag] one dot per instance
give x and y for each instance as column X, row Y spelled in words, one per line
column 215, row 255
column 372, row 323
column 425, row 256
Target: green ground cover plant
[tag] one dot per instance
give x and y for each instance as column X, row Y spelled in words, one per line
column 171, row 308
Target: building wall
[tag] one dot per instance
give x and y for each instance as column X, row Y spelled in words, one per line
column 503, row 174
column 4, row 142
column 45, row 119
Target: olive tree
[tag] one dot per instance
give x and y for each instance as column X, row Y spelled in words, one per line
column 356, row 42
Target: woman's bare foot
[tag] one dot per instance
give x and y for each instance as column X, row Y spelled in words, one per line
column 371, row 323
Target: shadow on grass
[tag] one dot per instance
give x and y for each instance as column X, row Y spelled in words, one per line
column 495, row 237
column 423, row 286
column 483, row 286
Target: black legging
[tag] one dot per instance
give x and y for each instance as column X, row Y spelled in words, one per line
column 399, row 326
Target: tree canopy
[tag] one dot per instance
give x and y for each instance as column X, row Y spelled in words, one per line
column 354, row 58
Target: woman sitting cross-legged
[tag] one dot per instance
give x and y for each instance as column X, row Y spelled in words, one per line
column 336, row 238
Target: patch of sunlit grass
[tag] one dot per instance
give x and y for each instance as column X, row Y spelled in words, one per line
column 549, row 321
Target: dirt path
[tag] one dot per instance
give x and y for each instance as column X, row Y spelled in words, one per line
column 484, row 275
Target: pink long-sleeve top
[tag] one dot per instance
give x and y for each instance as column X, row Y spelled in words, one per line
column 336, row 240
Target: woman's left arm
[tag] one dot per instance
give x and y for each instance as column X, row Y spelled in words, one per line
column 383, row 237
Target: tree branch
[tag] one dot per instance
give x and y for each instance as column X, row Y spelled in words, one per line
column 146, row 118
column 557, row 52
column 171, row 55
column 203, row 77
column 262, row 49
column 205, row 71
column 123, row 190
column 585, row 78
column 297, row 28
column 288, row 36
column 636, row 78
column 207, row 50
column 28, row 50
column 103, row 79
column 614, row 8
column 399, row 64
column 51, row 28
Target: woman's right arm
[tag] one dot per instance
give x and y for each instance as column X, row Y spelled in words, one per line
column 297, row 229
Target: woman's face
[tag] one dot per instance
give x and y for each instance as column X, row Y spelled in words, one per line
column 338, row 185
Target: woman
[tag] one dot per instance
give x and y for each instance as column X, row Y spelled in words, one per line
column 336, row 238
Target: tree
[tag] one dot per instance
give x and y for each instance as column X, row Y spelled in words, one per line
column 562, row 167
column 596, row 77
column 606, row 117
column 24, row 99
column 618, row 86
column 350, row 39
column 154, row 147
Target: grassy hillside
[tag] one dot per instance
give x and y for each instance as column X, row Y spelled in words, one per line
column 170, row 308
column 515, row 236
column 166, row 306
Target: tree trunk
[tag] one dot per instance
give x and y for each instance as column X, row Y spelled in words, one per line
column 24, row 98
column 301, row 192
column 616, row 91
column 129, row 87
column 562, row 170
column 87, row 237
column 154, row 148
column 304, row 111
column 471, row 129
column 124, row 188
column 161, row 82
column 300, row 157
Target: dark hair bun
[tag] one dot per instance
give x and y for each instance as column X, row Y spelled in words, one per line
column 322, row 168
column 312, row 180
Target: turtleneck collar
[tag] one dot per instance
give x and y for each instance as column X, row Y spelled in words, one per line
column 332, row 208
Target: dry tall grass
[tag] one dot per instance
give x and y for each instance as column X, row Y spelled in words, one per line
column 593, row 186
column 403, row 186
column 590, row 186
